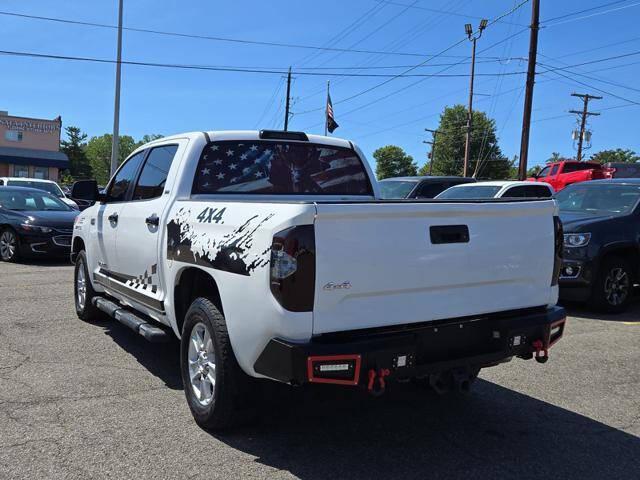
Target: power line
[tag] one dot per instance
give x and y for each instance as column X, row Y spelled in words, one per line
column 592, row 15
column 215, row 38
column 444, row 12
column 367, row 90
column 597, row 79
column 566, row 15
column 594, row 88
column 591, row 62
column 392, row 46
column 344, row 33
column 234, row 69
column 591, row 50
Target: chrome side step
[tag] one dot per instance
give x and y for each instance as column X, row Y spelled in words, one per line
column 139, row 325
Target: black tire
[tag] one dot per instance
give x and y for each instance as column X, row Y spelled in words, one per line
column 613, row 287
column 86, row 310
column 9, row 245
column 232, row 402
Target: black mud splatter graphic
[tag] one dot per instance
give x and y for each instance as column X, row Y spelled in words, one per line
column 231, row 253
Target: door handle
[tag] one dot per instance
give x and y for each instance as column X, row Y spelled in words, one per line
column 113, row 218
column 153, row 220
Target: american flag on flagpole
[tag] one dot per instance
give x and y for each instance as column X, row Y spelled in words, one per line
column 331, row 123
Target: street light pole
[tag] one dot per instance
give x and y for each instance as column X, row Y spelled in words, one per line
column 473, row 38
column 115, row 141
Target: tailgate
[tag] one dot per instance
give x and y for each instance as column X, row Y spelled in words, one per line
column 380, row 264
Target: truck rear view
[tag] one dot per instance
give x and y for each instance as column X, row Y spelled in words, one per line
column 270, row 255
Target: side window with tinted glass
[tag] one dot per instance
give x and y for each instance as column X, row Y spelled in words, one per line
column 431, row 189
column 538, row 191
column 515, row 192
column 119, row 186
column 154, row 173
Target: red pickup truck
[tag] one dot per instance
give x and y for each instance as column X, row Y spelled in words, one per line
column 566, row 172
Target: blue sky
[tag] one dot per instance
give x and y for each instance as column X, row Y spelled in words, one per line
column 166, row 101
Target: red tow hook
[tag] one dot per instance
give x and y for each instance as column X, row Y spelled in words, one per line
column 541, row 352
column 380, row 374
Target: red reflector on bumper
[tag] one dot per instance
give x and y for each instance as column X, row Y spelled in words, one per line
column 337, row 369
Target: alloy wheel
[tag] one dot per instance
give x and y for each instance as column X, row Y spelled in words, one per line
column 616, row 286
column 81, row 287
column 8, row 245
column 202, row 364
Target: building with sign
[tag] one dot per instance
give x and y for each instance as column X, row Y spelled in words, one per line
column 30, row 147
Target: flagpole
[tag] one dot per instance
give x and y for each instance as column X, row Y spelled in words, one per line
column 326, row 112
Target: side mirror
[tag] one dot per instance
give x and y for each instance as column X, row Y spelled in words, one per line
column 86, row 190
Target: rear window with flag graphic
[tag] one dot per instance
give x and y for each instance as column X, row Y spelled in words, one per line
column 270, row 167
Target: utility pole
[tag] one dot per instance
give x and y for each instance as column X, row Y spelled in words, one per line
column 584, row 113
column 473, row 38
column 115, row 141
column 528, row 97
column 286, row 110
column 433, row 148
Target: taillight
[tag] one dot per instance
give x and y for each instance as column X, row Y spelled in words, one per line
column 293, row 268
column 558, row 246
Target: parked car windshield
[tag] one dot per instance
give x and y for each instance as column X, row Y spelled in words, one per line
column 31, row 200
column 395, row 188
column 51, row 188
column 280, row 168
column 599, row 198
column 469, row 192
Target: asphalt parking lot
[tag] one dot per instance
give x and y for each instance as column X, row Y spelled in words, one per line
column 84, row 401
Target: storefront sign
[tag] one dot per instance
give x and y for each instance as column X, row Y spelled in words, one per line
column 30, row 125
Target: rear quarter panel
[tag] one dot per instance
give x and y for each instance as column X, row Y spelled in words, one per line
column 231, row 240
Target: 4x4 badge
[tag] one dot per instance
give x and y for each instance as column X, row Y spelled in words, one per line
column 337, row 286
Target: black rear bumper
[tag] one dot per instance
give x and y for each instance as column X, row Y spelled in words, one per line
column 414, row 350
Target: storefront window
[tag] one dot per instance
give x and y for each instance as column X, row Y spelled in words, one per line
column 41, row 172
column 13, row 136
column 20, row 171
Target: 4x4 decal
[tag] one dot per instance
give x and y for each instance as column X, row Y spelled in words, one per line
column 233, row 252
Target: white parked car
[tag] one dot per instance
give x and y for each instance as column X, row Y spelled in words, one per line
column 498, row 189
column 47, row 185
column 271, row 255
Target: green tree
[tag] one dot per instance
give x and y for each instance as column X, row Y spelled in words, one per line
column 486, row 158
column 617, row 155
column 98, row 152
column 74, row 147
column 392, row 161
column 555, row 157
column 534, row 170
column 149, row 138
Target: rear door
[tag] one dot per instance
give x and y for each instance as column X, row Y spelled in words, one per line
column 140, row 227
column 386, row 264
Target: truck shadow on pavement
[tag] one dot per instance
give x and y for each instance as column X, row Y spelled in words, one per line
column 494, row 432
column 321, row 432
column 160, row 359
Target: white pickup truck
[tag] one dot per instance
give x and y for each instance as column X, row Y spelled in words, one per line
column 270, row 255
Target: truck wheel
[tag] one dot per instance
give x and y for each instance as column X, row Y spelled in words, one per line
column 83, row 291
column 613, row 287
column 8, row 245
column 218, row 392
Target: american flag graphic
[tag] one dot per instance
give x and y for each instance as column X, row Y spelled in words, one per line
column 278, row 167
column 226, row 165
column 331, row 121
